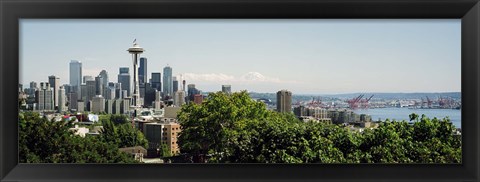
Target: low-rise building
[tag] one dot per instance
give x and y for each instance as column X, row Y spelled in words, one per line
column 171, row 112
column 80, row 131
column 137, row 152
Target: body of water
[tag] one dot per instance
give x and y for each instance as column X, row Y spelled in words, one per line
column 403, row 114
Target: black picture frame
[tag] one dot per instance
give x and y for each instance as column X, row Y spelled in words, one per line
column 12, row 11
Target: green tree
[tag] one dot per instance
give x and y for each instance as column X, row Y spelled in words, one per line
column 122, row 134
column 234, row 128
column 210, row 128
column 44, row 141
column 165, row 151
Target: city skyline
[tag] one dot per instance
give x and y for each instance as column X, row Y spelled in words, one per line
column 257, row 55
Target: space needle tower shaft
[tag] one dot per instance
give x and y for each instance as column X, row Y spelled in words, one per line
column 135, row 50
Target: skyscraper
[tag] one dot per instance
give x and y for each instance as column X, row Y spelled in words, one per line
column 149, row 95
column 156, row 81
column 45, row 97
column 99, row 86
column 118, row 90
column 124, row 70
column 110, row 93
column 175, row 84
column 179, row 98
column 142, row 70
column 97, row 104
column 61, row 99
column 89, row 92
column 55, row 84
column 191, row 92
column 33, row 85
column 73, row 98
column 227, row 89
column 75, row 74
column 124, row 79
column 284, row 101
column 87, row 78
column 104, row 75
column 167, row 81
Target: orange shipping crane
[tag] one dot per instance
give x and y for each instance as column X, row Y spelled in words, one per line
column 365, row 103
column 353, row 103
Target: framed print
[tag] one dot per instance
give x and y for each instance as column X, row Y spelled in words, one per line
column 239, row 90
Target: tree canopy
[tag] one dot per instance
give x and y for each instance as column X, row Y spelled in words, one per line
column 44, row 141
column 234, row 128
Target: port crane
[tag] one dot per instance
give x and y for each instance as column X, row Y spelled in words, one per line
column 357, row 101
column 365, row 103
column 316, row 102
column 353, row 103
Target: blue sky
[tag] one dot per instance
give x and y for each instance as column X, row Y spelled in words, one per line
column 303, row 56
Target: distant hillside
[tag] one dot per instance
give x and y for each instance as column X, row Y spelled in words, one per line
column 454, row 95
column 386, row 96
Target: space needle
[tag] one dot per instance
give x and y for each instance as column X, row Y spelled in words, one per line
column 135, row 50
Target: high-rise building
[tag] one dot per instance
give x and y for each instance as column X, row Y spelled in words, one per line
column 76, row 75
column 156, row 81
column 81, row 106
column 179, row 98
column 175, row 84
column 124, row 70
column 110, row 93
column 149, row 95
column 118, row 90
column 117, row 105
column 68, row 88
column 191, row 92
column 97, row 104
column 167, row 81
column 104, row 75
column 31, row 90
column 88, row 92
column 227, row 89
column 142, row 90
column 33, row 85
column 61, row 99
column 44, row 97
column 88, row 78
column 55, row 84
column 109, row 106
column 124, row 94
column 99, row 86
column 125, row 105
column 142, row 70
column 73, row 101
column 124, row 79
column 284, row 101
